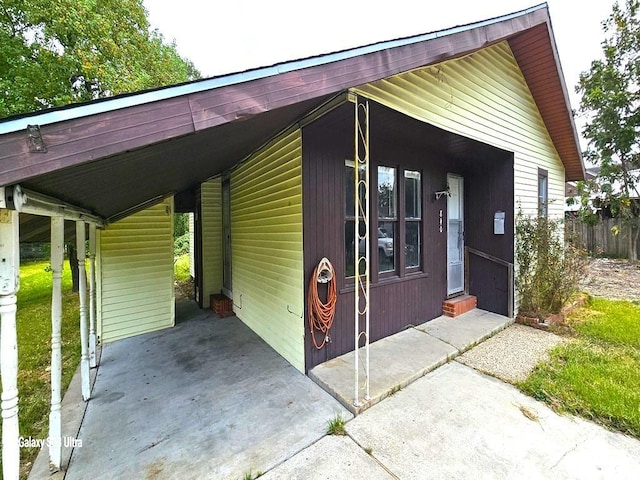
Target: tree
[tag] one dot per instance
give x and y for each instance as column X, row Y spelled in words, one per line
column 610, row 100
column 56, row 52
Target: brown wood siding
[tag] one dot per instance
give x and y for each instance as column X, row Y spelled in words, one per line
column 489, row 188
column 397, row 303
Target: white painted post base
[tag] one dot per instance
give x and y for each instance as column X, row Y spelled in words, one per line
column 55, row 417
column 9, row 372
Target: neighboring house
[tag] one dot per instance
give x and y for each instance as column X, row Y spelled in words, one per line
column 571, row 192
column 571, row 188
column 463, row 124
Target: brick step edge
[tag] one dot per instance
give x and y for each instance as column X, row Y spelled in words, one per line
column 459, row 305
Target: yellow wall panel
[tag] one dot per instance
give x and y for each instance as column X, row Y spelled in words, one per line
column 135, row 268
column 483, row 96
column 211, row 198
column 266, row 244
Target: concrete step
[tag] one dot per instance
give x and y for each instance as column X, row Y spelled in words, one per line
column 459, row 305
column 400, row 359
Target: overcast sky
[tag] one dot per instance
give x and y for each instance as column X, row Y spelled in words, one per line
column 229, row 36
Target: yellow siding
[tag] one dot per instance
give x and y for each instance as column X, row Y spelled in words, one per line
column 135, row 268
column 483, row 96
column 211, row 198
column 266, row 242
column 192, row 245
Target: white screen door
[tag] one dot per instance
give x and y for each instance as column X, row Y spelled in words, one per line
column 455, row 235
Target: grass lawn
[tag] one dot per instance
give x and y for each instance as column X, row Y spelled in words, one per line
column 34, row 350
column 597, row 375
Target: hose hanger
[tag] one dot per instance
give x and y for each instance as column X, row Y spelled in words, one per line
column 320, row 313
column 325, row 271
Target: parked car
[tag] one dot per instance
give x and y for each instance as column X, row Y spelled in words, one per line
column 385, row 245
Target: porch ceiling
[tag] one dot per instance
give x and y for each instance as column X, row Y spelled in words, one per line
column 120, row 182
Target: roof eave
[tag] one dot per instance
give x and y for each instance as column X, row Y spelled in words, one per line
column 147, row 121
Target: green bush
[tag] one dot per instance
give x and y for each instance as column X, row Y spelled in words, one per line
column 181, row 268
column 548, row 268
column 181, row 245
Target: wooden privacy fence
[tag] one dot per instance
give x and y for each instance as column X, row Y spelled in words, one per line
column 600, row 239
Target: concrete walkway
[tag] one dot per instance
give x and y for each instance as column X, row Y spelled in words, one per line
column 456, row 423
column 401, row 359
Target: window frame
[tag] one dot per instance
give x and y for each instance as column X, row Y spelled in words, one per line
column 543, row 193
column 400, row 270
column 349, row 217
column 393, row 220
column 418, row 220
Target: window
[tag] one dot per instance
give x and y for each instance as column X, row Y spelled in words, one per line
column 387, row 218
column 412, row 218
column 398, row 229
column 543, row 192
column 350, row 219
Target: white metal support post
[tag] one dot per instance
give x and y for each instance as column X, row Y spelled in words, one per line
column 361, row 184
column 9, row 285
column 84, row 328
column 55, row 418
column 92, row 296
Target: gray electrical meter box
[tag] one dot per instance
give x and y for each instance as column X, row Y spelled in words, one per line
column 498, row 223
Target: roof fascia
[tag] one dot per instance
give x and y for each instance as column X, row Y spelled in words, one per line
column 565, row 94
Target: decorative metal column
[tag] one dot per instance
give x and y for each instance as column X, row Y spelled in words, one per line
column 92, row 296
column 84, row 327
column 9, row 285
column 55, row 418
column 361, row 237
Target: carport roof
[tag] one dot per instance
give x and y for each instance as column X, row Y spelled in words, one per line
column 115, row 155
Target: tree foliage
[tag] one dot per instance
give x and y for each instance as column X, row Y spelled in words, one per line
column 55, row 52
column 610, row 100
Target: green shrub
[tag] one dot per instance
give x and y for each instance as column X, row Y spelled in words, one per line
column 181, row 245
column 548, row 268
column 181, row 268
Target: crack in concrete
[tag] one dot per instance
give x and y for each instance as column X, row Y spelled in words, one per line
column 567, row 453
column 375, row 459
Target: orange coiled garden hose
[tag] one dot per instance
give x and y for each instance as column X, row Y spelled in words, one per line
column 321, row 314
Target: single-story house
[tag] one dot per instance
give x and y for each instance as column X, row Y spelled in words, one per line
column 457, row 131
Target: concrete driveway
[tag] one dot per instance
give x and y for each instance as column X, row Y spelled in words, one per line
column 457, row 423
column 206, row 399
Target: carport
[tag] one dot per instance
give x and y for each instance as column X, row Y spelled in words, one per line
column 104, row 162
column 206, row 399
